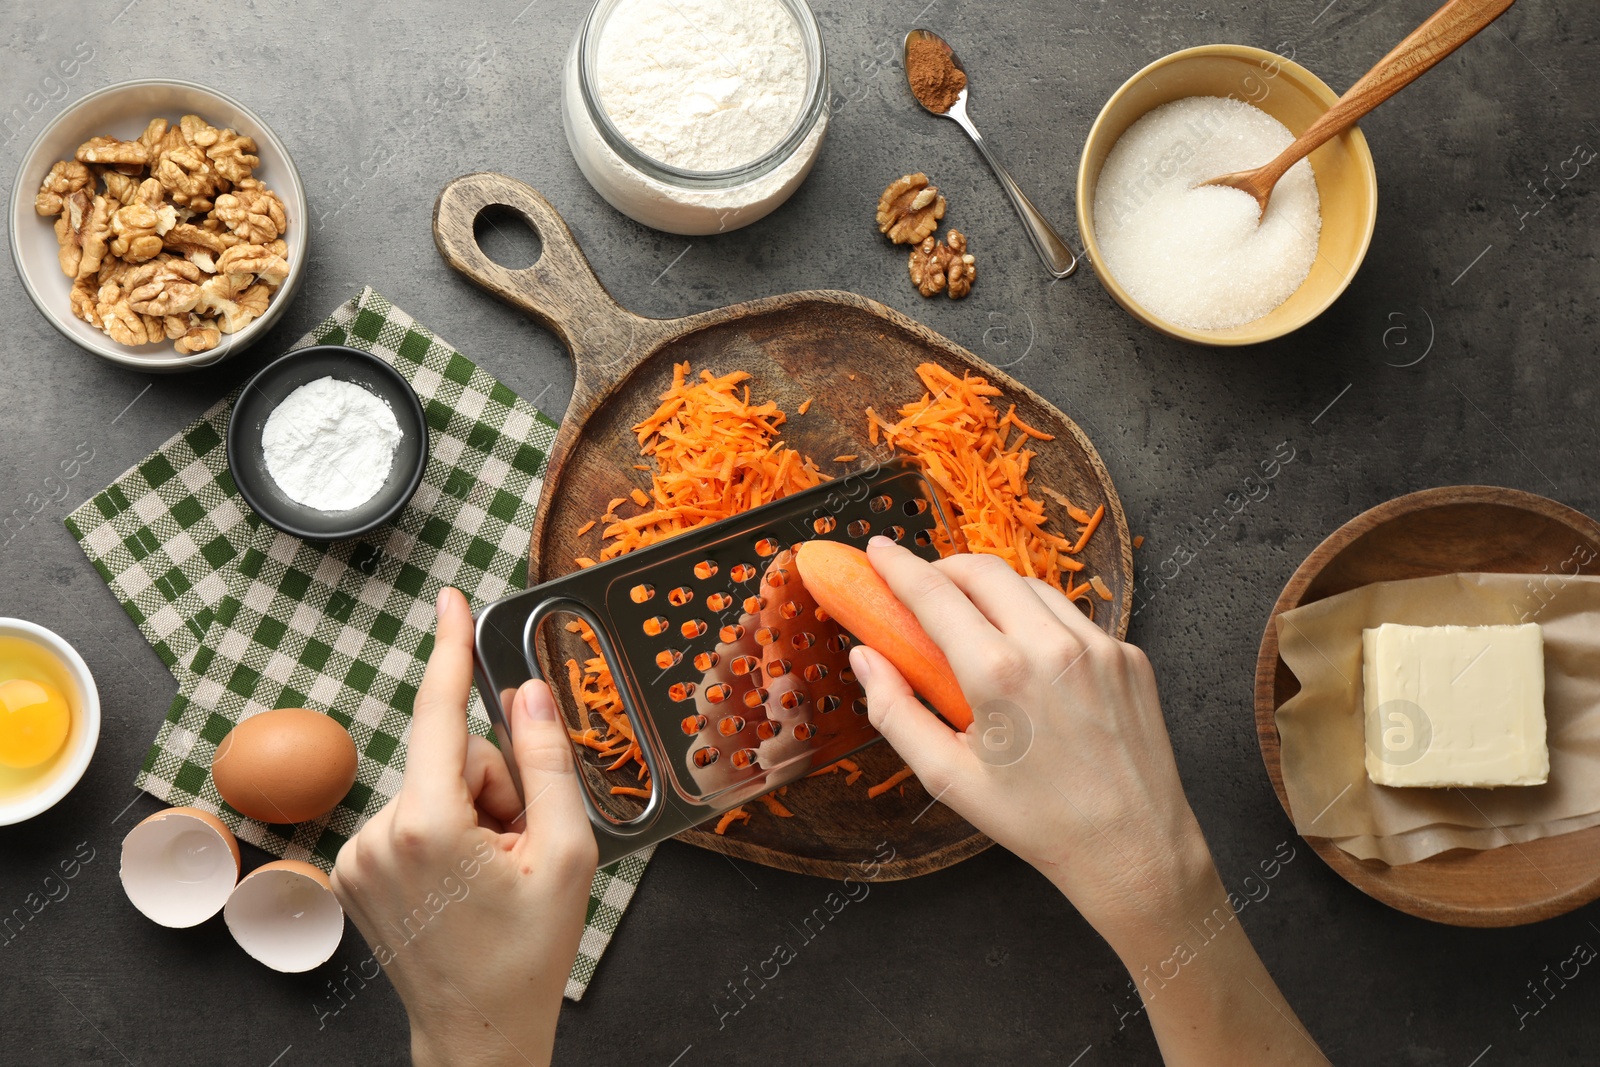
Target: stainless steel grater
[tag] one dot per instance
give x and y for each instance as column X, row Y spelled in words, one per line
column 734, row 681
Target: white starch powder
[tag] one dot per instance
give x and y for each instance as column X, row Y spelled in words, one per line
column 1196, row 256
column 702, row 84
column 330, row 444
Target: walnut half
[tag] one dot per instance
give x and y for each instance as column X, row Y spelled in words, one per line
column 963, row 269
column 909, row 209
column 928, row 263
column 937, row 266
column 64, row 179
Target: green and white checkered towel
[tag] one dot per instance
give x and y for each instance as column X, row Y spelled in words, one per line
column 249, row 618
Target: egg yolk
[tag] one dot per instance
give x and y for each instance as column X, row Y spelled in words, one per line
column 34, row 720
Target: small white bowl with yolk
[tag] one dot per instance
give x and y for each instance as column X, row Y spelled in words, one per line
column 38, row 671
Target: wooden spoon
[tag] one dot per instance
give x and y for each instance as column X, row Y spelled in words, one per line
column 1446, row 30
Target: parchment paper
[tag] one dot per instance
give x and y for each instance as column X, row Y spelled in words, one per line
column 1323, row 734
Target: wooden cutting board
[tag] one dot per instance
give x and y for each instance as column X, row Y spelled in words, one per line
column 841, row 351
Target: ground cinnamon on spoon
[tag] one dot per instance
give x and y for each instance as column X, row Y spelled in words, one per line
column 934, row 78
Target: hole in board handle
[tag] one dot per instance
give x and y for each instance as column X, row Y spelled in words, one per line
column 506, row 237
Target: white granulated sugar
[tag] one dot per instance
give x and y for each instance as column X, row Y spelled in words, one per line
column 1196, row 256
column 330, row 444
column 702, row 84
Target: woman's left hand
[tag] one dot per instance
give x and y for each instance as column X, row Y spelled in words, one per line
column 472, row 902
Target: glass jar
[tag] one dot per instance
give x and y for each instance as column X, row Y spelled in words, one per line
column 671, row 198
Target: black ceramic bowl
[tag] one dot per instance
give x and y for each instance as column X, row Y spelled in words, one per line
column 269, row 387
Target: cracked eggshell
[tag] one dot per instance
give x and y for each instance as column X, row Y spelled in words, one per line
column 179, row 866
column 284, row 914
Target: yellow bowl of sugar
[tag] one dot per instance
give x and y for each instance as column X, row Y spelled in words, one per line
column 1185, row 261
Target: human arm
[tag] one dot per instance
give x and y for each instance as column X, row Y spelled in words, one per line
column 474, row 904
column 1068, row 764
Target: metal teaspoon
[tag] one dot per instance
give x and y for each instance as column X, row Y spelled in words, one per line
column 1057, row 256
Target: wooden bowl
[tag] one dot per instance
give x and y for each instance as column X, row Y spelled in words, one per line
column 1347, row 182
column 1443, row 531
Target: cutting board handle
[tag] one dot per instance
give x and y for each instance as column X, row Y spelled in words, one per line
column 559, row 289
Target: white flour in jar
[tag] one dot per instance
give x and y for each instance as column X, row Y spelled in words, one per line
column 329, row 445
column 702, row 84
column 1197, row 257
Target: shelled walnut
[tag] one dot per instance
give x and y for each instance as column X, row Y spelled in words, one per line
column 928, row 263
column 910, row 209
column 909, row 212
column 936, row 265
column 184, row 244
column 963, row 269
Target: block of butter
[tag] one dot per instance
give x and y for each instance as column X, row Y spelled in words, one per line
column 1454, row 705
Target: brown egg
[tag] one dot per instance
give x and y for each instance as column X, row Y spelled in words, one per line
column 285, row 766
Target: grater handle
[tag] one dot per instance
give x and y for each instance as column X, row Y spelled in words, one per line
column 598, row 816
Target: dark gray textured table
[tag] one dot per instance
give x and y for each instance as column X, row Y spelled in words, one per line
column 983, row 963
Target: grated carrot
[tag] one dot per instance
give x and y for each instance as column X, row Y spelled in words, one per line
column 852, row 777
column 775, row 806
column 611, row 738
column 805, row 406
column 848, row 457
column 835, row 767
column 728, row 818
column 1089, row 528
column 890, row 782
column 1138, row 540
column 586, row 527
column 629, row 791
column 715, row 454
column 967, row 449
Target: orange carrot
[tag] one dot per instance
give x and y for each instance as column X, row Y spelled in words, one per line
column 586, row 527
column 629, row 791
column 890, row 782
column 728, row 818
column 845, row 586
column 805, row 406
column 1138, row 540
column 848, row 457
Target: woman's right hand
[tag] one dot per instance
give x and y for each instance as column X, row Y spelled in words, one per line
column 1067, row 763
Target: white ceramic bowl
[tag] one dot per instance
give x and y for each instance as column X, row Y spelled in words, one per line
column 123, row 111
column 86, row 729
